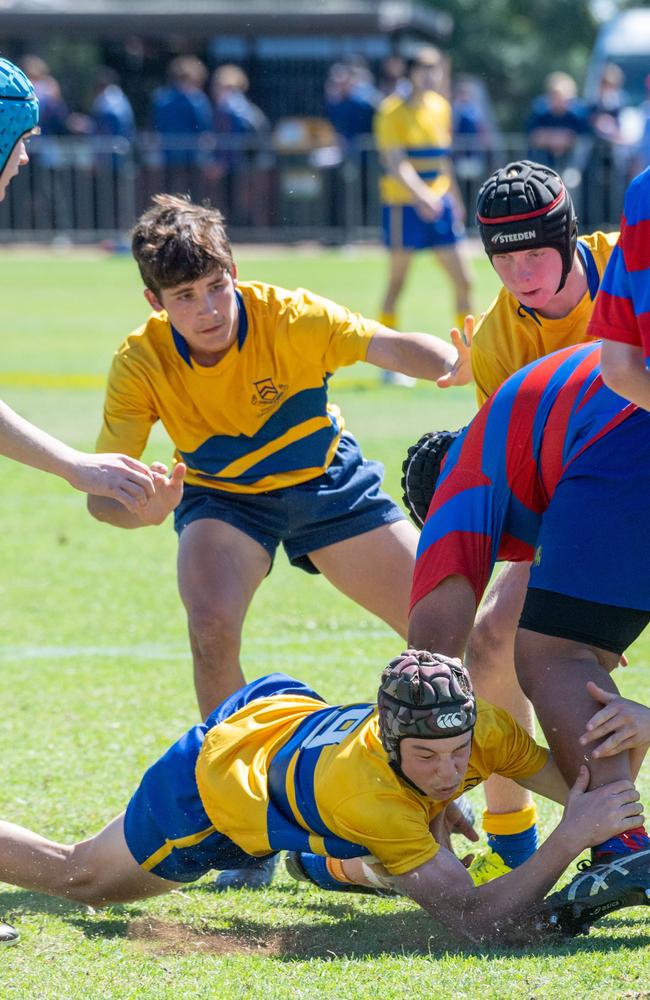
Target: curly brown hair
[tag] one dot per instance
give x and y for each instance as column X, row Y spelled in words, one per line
column 176, row 241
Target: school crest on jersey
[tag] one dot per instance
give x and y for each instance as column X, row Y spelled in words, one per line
column 267, row 394
column 266, row 390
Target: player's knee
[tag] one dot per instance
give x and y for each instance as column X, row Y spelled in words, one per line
column 490, row 645
column 214, row 624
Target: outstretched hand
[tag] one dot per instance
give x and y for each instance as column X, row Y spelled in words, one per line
column 461, row 371
column 119, row 477
column 167, row 493
column 621, row 724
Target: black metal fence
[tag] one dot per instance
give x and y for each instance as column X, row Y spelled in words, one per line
column 92, row 189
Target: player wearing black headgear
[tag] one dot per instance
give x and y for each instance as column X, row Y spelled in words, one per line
column 525, row 205
column 524, row 212
column 550, row 279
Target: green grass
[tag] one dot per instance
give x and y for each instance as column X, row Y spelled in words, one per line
column 95, row 681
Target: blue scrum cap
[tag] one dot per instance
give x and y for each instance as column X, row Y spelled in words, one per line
column 18, row 108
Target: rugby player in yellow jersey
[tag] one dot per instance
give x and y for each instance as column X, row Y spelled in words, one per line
column 238, row 372
column 550, row 278
column 421, row 205
column 275, row 768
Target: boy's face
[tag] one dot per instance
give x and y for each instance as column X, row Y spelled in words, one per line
column 437, row 767
column 204, row 312
column 18, row 158
column 532, row 276
column 426, row 76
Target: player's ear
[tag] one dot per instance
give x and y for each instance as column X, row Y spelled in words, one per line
column 233, row 272
column 153, row 300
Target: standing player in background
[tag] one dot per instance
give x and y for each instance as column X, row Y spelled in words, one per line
column 421, row 205
column 123, row 479
column 238, row 374
column 537, row 473
column 622, row 314
column 550, row 279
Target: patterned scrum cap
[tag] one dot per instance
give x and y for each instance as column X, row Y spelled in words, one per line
column 423, row 695
column 18, row 108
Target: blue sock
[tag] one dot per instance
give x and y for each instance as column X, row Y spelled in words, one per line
column 316, row 868
column 514, row 848
column 625, row 843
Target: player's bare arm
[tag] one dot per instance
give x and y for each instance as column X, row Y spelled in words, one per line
column 166, row 496
column 494, row 911
column 418, row 354
column 125, row 480
column 443, row 619
column 547, row 782
column 428, row 205
column 624, row 371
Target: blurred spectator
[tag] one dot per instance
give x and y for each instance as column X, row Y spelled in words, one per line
column 350, row 101
column 54, row 111
column 53, row 203
column 111, row 110
column 608, row 157
column 113, row 122
column 642, row 157
column 605, row 113
column 392, row 77
column 243, row 164
column 181, row 113
column 234, row 113
column 558, row 124
column 473, row 126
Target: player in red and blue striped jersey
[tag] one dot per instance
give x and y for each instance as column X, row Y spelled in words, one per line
column 621, row 314
column 555, row 468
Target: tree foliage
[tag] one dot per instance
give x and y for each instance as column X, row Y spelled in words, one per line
column 513, row 44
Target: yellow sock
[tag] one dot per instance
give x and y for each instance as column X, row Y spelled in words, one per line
column 514, row 822
column 388, row 319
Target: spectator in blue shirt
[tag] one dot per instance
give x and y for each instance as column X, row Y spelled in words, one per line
column 558, row 124
column 350, row 102
column 234, row 114
column 243, row 161
column 181, row 112
column 111, row 110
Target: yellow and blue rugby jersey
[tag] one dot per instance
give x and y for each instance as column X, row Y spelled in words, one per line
column 423, row 132
column 510, row 336
column 287, row 773
column 259, row 419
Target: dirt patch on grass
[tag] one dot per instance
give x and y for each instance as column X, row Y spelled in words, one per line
column 162, row 938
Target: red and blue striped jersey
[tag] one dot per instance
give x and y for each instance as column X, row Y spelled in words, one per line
column 500, row 474
column 622, row 309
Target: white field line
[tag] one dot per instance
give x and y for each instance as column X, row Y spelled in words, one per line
column 152, row 651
